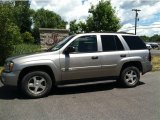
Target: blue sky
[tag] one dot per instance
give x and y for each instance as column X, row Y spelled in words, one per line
column 149, row 16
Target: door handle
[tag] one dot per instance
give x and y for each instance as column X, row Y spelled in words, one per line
column 123, row 55
column 94, row 57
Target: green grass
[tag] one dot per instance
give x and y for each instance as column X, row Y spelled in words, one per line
column 1, row 68
column 156, row 63
column 25, row 48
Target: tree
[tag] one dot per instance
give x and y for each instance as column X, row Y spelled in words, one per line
column 82, row 27
column 45, row 19
column 9, row 31
column 145, row 38
column 155, row 38
column 36, row 34
column 76, row 27
column 23, row 15
column 73, row 27
column 27, row 38
column 48, row 19
column 103, row 18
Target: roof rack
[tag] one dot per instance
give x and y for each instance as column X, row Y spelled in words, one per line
column 125, row 33
column 111, row 32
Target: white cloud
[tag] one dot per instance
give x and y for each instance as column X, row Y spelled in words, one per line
column 150, row 30
column 124, row 9
column 68, row 9
column 74, row 9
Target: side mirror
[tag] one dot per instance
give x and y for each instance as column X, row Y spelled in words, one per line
column 69, row 50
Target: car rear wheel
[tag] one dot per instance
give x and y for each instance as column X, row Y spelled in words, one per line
column 130, row 76
column 36, row 84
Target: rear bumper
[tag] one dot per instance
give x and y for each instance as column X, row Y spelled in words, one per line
column 147, row 67
column 10, row 79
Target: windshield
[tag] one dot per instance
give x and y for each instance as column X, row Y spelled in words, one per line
column 60, row 44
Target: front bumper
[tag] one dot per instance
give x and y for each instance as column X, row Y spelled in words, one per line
column 10, row 79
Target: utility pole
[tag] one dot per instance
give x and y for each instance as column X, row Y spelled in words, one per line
column 136, row 19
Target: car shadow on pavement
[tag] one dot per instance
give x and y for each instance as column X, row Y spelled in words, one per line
column 86, row 88
column 9, row 93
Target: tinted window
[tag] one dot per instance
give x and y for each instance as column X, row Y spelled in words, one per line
column 85, row 44
column 118, row 43
column 111, row 43
column 134, row 42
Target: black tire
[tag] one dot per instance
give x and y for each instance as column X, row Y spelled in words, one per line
column 129, row 80
column 30, row 77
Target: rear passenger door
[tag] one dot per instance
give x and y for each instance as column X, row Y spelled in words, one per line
column 113, row 53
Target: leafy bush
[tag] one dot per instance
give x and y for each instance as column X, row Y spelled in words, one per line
column 27, row 37
column 9, row 32
column 36, row 34
column 25, row 48
column 7, row 43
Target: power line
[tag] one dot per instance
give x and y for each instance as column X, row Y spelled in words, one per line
column 143, row 27
column 138, row 17
column 139, row 28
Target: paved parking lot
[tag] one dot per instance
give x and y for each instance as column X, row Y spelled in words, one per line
column 101, row 101
column 155, row 52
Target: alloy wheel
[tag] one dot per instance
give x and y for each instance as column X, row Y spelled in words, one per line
column 131, row 77
column 37, row 84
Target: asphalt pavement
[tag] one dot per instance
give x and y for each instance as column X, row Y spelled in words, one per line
column 100, row 101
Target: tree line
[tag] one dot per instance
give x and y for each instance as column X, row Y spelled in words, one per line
column 154, row 38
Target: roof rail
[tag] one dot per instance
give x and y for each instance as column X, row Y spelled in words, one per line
column 111, row 32
column 125, row 33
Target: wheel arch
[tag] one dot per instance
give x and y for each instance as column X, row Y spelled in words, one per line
column 137, row 64
column 43, row 68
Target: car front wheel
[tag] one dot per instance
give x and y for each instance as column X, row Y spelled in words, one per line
column 36, row 84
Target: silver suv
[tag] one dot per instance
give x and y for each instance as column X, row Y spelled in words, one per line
column 80, row 58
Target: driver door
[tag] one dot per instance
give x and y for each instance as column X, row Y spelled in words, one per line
column 84, row 62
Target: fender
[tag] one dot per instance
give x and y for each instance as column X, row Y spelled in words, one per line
column 55, row 68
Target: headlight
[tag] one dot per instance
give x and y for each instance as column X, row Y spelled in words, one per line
column 8, row 66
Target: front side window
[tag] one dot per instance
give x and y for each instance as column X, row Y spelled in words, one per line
column 60, row 44
column 85, row 44
column 111, row 43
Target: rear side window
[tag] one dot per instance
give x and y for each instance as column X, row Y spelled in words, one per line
column 134, row 42
column 111, row 43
